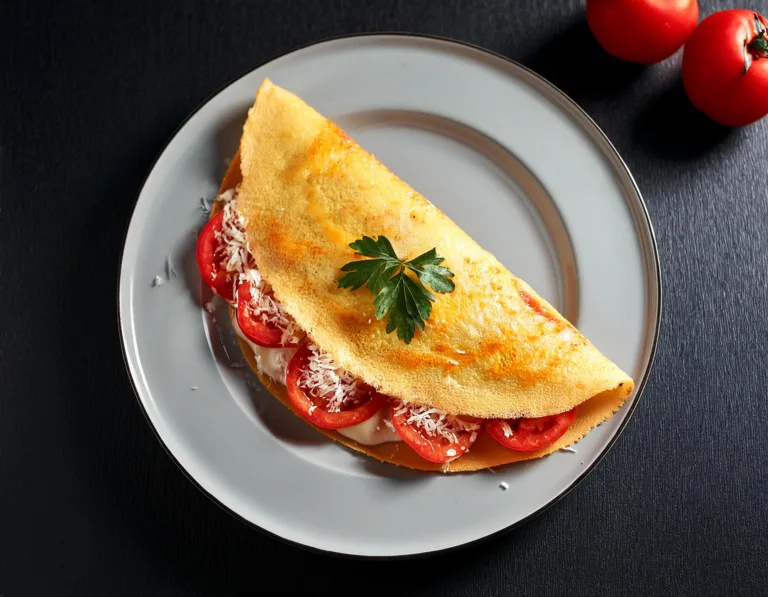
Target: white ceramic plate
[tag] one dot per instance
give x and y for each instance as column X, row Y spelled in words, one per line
column 506, row 155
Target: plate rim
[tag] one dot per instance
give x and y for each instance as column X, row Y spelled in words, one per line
column 620, row 166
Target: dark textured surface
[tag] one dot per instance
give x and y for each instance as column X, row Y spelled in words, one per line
column 89, row 501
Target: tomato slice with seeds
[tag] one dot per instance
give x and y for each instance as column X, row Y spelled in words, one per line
column 361, row 402
column 210, row 260
column 527, row 435
column 434, row 446
column 257, row 328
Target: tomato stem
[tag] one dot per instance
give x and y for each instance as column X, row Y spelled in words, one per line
column 758, row 47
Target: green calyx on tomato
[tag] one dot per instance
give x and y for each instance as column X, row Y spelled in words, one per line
column 725, row 70
column 758, row 47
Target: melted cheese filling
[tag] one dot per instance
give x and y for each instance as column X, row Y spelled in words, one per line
column 376, row 430
column 270, row 361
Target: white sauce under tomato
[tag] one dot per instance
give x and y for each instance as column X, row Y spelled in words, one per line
column 272, row 361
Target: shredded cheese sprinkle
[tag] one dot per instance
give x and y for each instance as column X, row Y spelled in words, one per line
column 263, row 306
column 232, row 241
column 434, row 422
column 506, row 429
column 324, row 379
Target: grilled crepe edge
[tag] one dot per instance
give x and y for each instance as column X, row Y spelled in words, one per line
column 485, row 453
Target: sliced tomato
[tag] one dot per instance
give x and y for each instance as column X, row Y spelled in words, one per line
column 435, row 448
column 210, row 260
column 255, row 328
column 360, row 407
column 527, row 435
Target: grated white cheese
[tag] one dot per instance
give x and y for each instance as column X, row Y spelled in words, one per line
column 506, row 429
column 157, row 281
column 461, row 351
column 504, row 485
column 568, row 449
column 193, row 388
column 171, row 273
column 233, row 247
column 435, row 422
column 324, row 379
column 263, row 306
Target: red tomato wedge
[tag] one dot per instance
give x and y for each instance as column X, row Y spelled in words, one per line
column 361, row 401
column 210, row 260
column 527, row 435
column 456, row 438
column 261, row 329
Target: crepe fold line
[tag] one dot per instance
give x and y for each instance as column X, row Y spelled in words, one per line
column 492, row 348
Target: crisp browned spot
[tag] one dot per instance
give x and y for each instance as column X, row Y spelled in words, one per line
column 420, row 360
column 305, row 288
column 325, row 156
column 290, row 249
column 350, row 320
column 529, row 367
column 324, row 219
column 488, row 349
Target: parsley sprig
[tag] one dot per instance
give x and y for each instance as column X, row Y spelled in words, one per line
column 407, row 303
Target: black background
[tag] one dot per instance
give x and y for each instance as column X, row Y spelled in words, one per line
column 89, row 501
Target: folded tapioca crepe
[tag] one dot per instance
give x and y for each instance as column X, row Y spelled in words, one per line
column 301, row 192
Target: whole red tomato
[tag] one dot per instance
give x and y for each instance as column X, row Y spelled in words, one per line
column 725, row 67
column 643, row 31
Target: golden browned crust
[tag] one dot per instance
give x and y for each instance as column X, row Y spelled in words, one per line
column 492, row 348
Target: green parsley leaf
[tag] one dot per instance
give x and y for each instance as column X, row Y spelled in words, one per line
column 402, row 300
